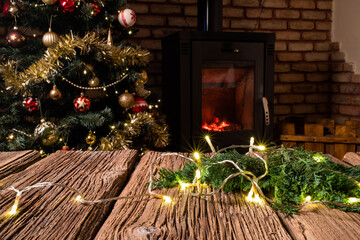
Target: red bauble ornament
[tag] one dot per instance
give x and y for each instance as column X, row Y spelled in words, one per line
column 31, row 104
column 67, row 6
column 96, row 9
column 140, row 105
column 127, row 17
column 5, row 9
column 15, row 38
column 82, row 104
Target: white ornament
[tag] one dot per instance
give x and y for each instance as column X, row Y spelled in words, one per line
column 127, row 17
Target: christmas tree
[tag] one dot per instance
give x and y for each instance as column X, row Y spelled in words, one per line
column 80, row 85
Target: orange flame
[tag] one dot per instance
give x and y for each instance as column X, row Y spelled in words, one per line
column 219, row 126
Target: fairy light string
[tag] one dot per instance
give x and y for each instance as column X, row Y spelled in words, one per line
column 255, row 194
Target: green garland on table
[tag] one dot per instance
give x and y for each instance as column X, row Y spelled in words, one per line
column 293, row 175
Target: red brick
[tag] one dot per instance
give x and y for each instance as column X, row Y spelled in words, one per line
column 151, row 1
column 303, row 108
column 337, row 67
column 282, row 88
column 190, row 11
column 335, row 46
column 291, row 77
column 314, row 35
column 165, row 9
column 255, row 13
column 322, row 46
column 287, row 14
column 289, row 57
column 348, row 67
column 334, row 88
column 291, row 98
column 304, row 88
column 301, row 25
column 354, row 100
column 226, row 2
column 273, row 24
column 314, row 15
column 304, row 67
column 304, row 4
column 151, row 21
column 349, row 110
column 323, row 67
column 162, row 32
column 322, row 88
column 243, row 24
column 342, row 77
column 355, row 78
column 323, row 26
column 182, row 22
column 226, row 23
column 287, row 35
column 341, row 99
column 143, row 33
column 282, row 67
column 318, row 77
column 276, row 4
column 280, row 46
column 317, row 98
column 233, row 12
column 322, row 108
column 138, row 7
column 301, row 46
column 246, row 3
column 326, row 5
column 183, row 1
column 338, row 57
column 151, row 44
column 282, row 109
column 310, row 57
column 349, row 88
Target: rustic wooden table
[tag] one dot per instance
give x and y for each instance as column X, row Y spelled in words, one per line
column 52, row 213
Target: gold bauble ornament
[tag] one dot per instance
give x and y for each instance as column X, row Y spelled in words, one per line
column 55, row 93
column 94, row 82
column 91, row 138
column 50, row 38
column 49, row 2
column 46, row 132
column 126, row 100
column 143, row 77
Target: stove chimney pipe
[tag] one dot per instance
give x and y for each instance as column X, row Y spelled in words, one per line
column 209, row 15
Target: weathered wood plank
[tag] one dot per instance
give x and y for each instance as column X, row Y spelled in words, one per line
column 317, row 222
column 223, row 216
column 324, row 139
column 13, row 162
column 50, row 213
column 314, row 130
column 352, row 158
column 344, row 131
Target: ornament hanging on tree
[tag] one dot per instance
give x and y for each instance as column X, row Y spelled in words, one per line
column 143, row 77
column 96, row 9
column 127, row 17
column 126, row 100
column 109, row 40
column 140, row 105
column 82, row 104
column 140, row 90
column 5, row 9
column 67, row 6
column 31, row 104
column 49, row 2
column 91, row 138
column 10, row 137
column 94, row 82
column 50, row 38
column 15, row 38
column 55, row 93
column 65, row 148
column 46, row 132
column 12, row 10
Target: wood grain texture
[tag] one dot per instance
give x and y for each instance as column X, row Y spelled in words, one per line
column 318, row 222
column 13, row 162
column 314, row 130
column 223, row 216
column 50, row 213
column 352, row 158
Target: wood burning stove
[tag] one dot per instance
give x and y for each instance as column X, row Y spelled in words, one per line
column 218, row 82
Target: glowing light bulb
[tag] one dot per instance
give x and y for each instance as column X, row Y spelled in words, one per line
column 198, row 174
column 13, row 210
column 196, row 156
column 308, row 199
column 354, row 200
column 261, row 147
column 252, row 140
column 184, row 185
column 112, row 127
column 85, row 72
column 78, row 198
column 207, row 138
column 166, row 199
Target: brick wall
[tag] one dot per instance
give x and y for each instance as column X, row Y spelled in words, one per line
column 304, row 52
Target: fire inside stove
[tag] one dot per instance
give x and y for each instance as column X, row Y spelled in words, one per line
column 227, row 97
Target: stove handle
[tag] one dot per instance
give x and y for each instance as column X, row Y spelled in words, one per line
column 266, row 111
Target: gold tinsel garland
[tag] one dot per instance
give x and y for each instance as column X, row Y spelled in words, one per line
column 65, row 49
column 157, row 132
